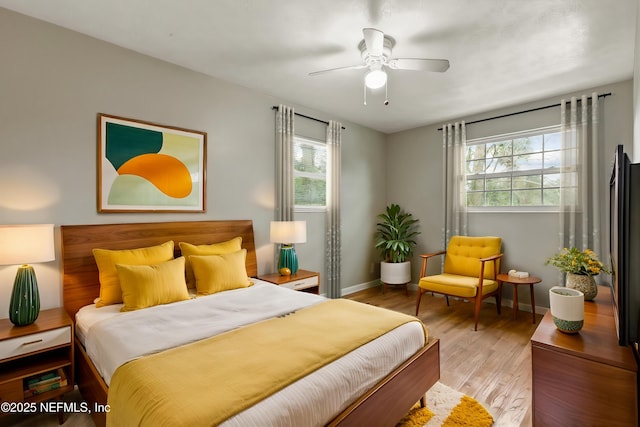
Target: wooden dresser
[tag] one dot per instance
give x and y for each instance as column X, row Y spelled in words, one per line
column 585, row 379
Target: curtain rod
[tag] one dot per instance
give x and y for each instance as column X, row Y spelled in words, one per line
column 307, row 117
column 526, row 111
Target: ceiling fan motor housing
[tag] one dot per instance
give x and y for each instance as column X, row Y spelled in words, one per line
column 387, row 46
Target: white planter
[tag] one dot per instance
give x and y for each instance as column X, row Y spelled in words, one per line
column 567, row 308
column 395, row 273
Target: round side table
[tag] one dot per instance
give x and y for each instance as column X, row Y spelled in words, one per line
column 515, row 281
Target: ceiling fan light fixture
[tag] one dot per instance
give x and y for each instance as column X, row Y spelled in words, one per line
column 375, row 79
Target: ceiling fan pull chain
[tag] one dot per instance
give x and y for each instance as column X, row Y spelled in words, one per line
column 386, row 93
column 365, row 93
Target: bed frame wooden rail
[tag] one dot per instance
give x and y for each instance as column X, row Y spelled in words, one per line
column 384, row 404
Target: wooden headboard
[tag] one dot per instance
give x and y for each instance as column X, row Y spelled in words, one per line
column 80, row 284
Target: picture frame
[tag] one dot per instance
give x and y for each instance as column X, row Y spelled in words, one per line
column 148, row 167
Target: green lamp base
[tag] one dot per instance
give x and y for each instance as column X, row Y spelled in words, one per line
column 24, row 306
column 288, row 259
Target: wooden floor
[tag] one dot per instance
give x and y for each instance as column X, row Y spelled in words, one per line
column 493, row 365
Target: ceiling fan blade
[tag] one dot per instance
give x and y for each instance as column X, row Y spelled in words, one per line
column 374, row 40
column 350, row 67
column 417, row 64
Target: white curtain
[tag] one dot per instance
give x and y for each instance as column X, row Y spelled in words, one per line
column 454, row 141
column 285, row 132
column 285, row 186
column 332, row 246
column 580, row 180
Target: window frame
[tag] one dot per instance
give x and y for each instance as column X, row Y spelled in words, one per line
column 512, row 174
column 318, row 143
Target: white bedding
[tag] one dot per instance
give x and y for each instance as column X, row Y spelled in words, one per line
column 123, row 336
column 112, row 338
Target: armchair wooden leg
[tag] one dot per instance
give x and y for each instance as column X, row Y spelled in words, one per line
column 447, row 298
column 420, row 292
column 477, row 314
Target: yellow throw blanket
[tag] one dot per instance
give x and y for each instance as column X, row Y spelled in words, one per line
column 208, row 381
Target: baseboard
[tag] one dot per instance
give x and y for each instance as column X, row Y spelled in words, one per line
column 360, row 287
column 371, row 284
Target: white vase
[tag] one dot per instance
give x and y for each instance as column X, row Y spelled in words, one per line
column 395, row 273
column 567, row 309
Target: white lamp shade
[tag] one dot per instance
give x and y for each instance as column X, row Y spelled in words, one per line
column 26, row 244
column 288, row 232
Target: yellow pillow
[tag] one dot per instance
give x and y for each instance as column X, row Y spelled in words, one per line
column 148, row 285
column 217, row 273
column 188, row 250
column 110, row 292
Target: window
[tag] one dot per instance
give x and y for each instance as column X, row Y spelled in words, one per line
column 310, row 174
column 516, row 170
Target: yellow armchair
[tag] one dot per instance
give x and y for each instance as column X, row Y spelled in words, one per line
column 470, row 268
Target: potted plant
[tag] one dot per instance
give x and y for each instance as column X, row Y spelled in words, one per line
column 395, row 242
column 580, row 267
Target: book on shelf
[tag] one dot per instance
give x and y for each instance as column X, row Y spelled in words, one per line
column 45, row 382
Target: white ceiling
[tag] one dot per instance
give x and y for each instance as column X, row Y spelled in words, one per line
column 502, row 52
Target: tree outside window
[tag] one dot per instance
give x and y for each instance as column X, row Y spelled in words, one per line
column 310, row 173
column 515, row 170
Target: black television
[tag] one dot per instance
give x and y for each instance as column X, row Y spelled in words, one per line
column 624, row 246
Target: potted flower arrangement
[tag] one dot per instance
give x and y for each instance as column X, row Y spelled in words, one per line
column 580, row 267
column 395, row 242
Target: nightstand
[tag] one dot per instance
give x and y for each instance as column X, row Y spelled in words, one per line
column 302, row 280
column 45, row 346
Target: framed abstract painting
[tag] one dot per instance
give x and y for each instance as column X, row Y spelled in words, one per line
column 146, row 167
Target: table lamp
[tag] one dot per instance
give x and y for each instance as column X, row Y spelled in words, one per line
column 25, row 244
column 287, row 233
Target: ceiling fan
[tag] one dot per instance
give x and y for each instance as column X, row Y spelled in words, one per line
column 375, row 50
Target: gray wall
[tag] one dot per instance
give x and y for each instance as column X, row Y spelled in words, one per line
column 53, row 82
column 414, row 176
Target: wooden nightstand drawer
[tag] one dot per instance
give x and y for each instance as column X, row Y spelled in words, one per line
column 302, row 280
column 309, row 282
column 11, row 391
column 34, row 342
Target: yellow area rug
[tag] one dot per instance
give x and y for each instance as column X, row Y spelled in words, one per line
column 447, row 407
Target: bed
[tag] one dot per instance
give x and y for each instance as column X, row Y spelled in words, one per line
column 383, row 401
